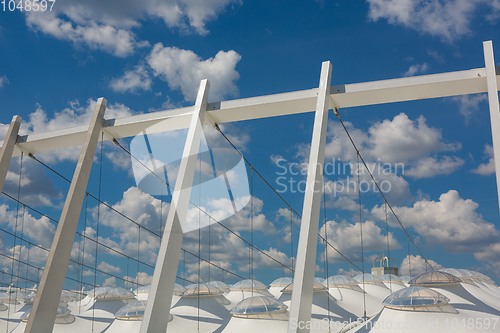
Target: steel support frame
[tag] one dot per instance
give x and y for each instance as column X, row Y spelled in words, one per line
column 302, row 293
column 44, row 310
column 494, row 107
column 369, row 93
column 157, row 312
column 8, row 148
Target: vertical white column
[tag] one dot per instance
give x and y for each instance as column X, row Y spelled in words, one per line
column 44, row 310
column 302, row 293
column 491, row 79
column 157, row 312
column 8, row 148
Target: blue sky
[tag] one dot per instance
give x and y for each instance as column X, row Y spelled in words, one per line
column 148, row 56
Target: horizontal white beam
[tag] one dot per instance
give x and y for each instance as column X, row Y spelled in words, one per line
column 343, row 96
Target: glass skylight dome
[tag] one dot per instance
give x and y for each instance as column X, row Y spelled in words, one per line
column 68, row 296
column 15, row 297
column 405, row 278
column 434, row 278
column 109, row 294
column 342, row 281
column 143, row 289
column 317, row 287
column 132, row 311
column 63, row 315
column 480, row 276
column 202, row 289
column 282, row 282
column 178, row 289
column 455, row 272
column 319, row 280
column 248, row 285
column 219, row 284
column 466, row 274
column 368, row 278
column 390, row 278
column 258, row 305
column 339, row 281
column 414, row 297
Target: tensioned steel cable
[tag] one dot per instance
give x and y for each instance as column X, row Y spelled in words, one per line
column 361, row 234
column 90, row 239
column 388, row 247
column 380, row 190
column 284, row 201
column 203, row 211
column 130, row 219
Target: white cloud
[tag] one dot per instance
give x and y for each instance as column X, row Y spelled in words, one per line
column 346, row 238
column 392, row 149
column 486, row 169
column 110, row 282
column 3, row 81
column 105, row 37
column 416, row 264
column 74, row 115
column 142, row 278
column 403, row 140
column 107, row 25
column 108, row 268
column 416, row 69
column 244, row 220
column 133, row 80
column 142, row 208
column 430, row 167
column 183, row 70
column 448, row 19
column 41, row 231
column 37, row 189
column 469, row 104
column 451, row 222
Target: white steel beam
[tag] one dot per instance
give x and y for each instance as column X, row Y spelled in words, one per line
column 44, row 310
column 157, row 312
column 349, row 95
column 494, row 107
column 8, row 148
column 303, row 281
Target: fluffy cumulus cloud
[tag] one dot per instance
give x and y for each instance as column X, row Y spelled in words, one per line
column 108, row 268
column 117, row 41
column 447, row 19
column 133, row 80
column 451, row 222
column 404, row 140
column 141, row 208
column 36, row 188
column 392, row 149
column 488, row 168
column 108, row 25
column 39, row 230
column 435, row 166
column 414, row 265
column 183, row 70
column 401, row 142
column 346, row 237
